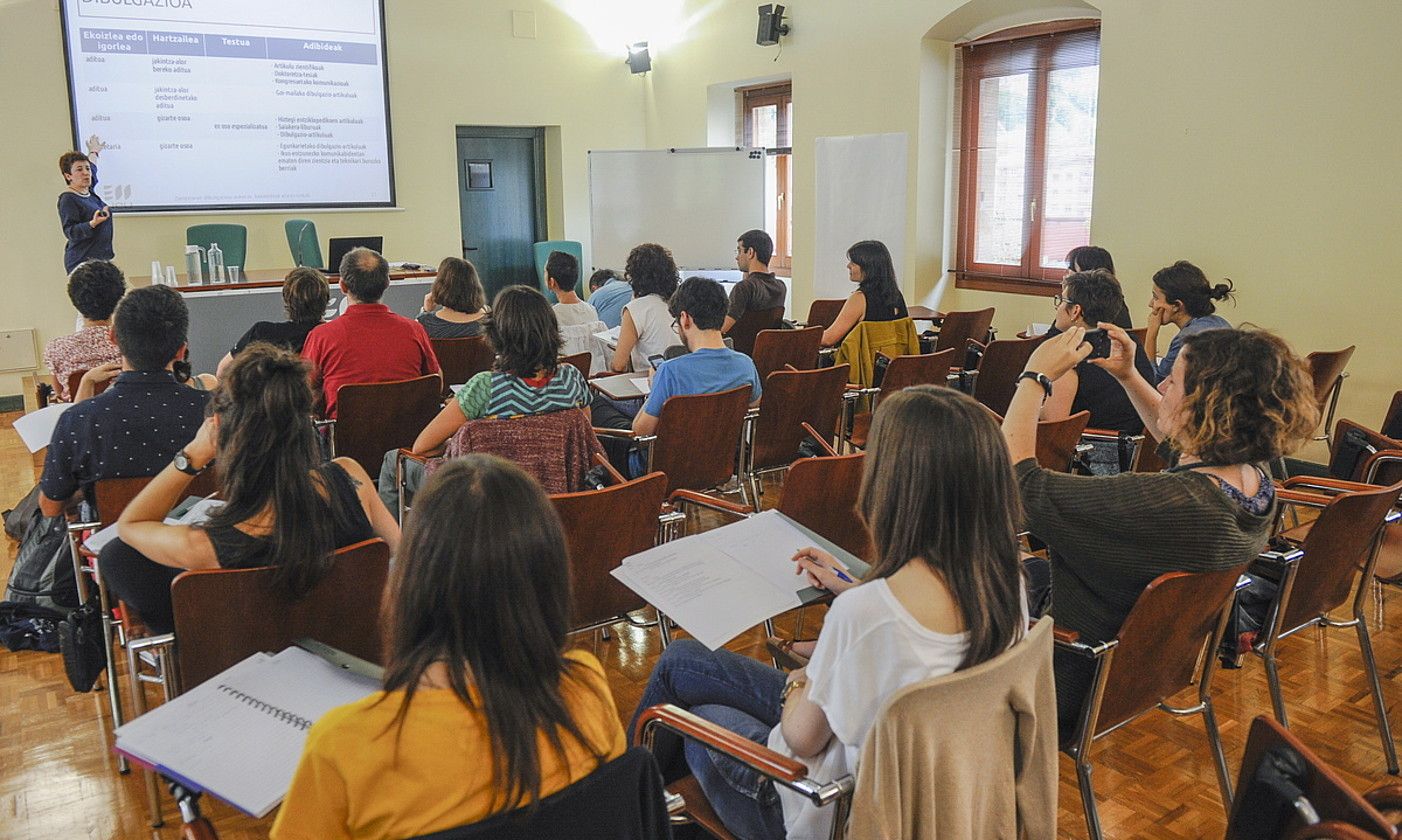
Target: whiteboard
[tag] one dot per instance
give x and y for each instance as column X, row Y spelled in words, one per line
column 695, row 202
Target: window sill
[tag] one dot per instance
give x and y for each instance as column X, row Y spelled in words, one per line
column 1002, row 283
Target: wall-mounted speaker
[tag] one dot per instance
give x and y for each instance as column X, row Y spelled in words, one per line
column 771, row 25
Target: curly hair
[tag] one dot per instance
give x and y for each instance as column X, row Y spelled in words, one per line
column 95, row 287
column 1247, row 398
column 652, row 271
column 523, row 332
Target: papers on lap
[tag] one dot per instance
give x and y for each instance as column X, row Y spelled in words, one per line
column 192, row 511
column 609, row 337
column 36, row 428
column 718, row 584
column 239, row 735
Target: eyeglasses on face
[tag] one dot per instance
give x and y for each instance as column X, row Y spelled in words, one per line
column 1058, row 300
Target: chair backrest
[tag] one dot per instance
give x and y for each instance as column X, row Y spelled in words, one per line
column 601, row 528
column 776, row 349
column 1268, row 746
column 861, row 346
column 373, row 418
column 958, row 327
column 581, row 362
column 698, row 436
column 1326, row 366
column 917, row 369
column 744, row 330
column 998, row 369
column 1338, row 544
column 541, row 253
column 1140, row 334
column 112, row 495
column 1057, row 440
column 556, row 448
column 461, row 358
column 302, row 241
column 792, row 398
column 223, row 616
column 1161, row 641
column 821, row 495
column 824, row 311
column 76, row 377
column 991, row 726
column 1392, row 420
column 232, row 240
column 1350, row 454
column 582, row 338
column 1146, row 457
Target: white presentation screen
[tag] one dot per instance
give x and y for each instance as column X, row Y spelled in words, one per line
column 232, row 104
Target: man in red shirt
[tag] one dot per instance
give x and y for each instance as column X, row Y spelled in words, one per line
column 368, row 343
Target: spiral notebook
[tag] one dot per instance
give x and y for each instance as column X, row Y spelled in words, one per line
column 238, row 736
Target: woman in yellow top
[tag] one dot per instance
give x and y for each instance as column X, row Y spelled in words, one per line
column 483, row 710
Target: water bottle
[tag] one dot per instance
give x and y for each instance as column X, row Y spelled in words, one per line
column 216, row 263
column 194, row 266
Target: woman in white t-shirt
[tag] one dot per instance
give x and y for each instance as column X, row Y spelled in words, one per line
column 938, row 599
column 646, row 329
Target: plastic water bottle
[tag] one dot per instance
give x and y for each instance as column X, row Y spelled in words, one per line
column 216, row 263
column 194, row 266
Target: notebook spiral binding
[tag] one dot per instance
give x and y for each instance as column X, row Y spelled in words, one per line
column 281, row 714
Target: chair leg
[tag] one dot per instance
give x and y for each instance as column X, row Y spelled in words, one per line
column 114, row 694
column 1088, row 799
column 1214, row 740
column 1365, row 644
column 1273, row 680
column 665, row 629
column 138, row 703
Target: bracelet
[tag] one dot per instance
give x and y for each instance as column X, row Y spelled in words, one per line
column 1039, row 378
column 790, row 687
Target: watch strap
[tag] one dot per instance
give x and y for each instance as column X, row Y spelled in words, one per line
column 1039, row 378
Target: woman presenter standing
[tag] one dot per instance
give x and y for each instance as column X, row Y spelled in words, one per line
column 86, row 219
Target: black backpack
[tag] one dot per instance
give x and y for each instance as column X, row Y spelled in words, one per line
column 41, row 584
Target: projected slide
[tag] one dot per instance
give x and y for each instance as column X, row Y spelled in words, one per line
column 241, row 104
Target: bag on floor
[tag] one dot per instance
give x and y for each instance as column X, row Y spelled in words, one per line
column 17, row 519
column 41, row 584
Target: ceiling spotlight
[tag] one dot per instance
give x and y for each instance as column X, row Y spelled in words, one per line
column 639, row 61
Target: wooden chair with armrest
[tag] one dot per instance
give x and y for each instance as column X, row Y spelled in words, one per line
column 223, row 616
column 925, row 713
column 1059, row 441
column 957, row 328
column 823, row 312
column 580, row 362
column 373, row 418
column 1164, row 646
column 780, row 349
column 1285, row 790
column 775, row 431
column 461, row 358
column 1146, row 455
column 901, row 372
column 1319, row 578
column 1327, row 371
column 743, row 332
column 994, row 379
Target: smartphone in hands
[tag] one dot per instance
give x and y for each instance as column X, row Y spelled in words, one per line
column 655, row 360
column 1100, row 343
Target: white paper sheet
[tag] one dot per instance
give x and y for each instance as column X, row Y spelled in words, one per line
column 642, row 384
column 198, row 513
column 609, row 337
column 36, row 428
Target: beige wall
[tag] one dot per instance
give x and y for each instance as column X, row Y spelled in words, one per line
column 1256, row 138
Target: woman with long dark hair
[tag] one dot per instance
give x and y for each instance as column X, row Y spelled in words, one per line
column 282, row 506
column 878, row 296
column 1183, row 297
column 483, row 709
column 944, row 594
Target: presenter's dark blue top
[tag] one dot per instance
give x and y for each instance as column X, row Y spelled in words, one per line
column 85, row 242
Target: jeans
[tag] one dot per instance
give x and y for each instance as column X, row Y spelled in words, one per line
column 606, row 413
column 738, row 693
column 388, row 483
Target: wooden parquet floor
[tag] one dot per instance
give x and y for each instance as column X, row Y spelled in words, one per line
column 1154, row 778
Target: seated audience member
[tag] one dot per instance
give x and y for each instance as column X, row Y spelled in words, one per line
column 759, row 289
column 562, row 278
column 1234, row 401
column 457, row 303
column 134, row 427
column 1088, row 298
column 1089, row 258
column 526, row 378
column 304, row 298
column 944, row 594
column 646, row 328
column 368, row 343
column 1183, row 297
column 878, row 296
column 698, row 309
column 95, row 286
column 283, row 506
column 482, row 711
column 608, row 294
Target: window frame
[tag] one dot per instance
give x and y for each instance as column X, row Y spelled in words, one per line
column 1028, row 277
column 780, row 95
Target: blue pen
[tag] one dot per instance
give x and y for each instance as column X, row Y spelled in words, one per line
column 841, row 575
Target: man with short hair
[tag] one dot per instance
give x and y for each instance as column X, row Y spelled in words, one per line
column 608, row 294
column 368, row 343
column 562, row 278
column 138, row 424
column 759, row 289
column 1089, row 258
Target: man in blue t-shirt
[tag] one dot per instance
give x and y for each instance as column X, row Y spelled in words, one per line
column 608, row 294
column 699, row 307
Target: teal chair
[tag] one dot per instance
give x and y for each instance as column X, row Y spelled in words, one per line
column 232, row 239
column 542, row 253
column 302, row 240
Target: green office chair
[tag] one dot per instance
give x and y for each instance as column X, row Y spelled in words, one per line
column 232, row 239
column 542, row 253
column 301, row 239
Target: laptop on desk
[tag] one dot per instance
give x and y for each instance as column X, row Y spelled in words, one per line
column 339, row 246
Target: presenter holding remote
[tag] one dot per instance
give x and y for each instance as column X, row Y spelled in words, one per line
column 86, row 219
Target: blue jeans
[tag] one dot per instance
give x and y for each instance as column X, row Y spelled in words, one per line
column 736, row 692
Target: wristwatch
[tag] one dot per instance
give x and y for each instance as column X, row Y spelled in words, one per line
column 1039, row 378
column 181, row 461
column 790, row 687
